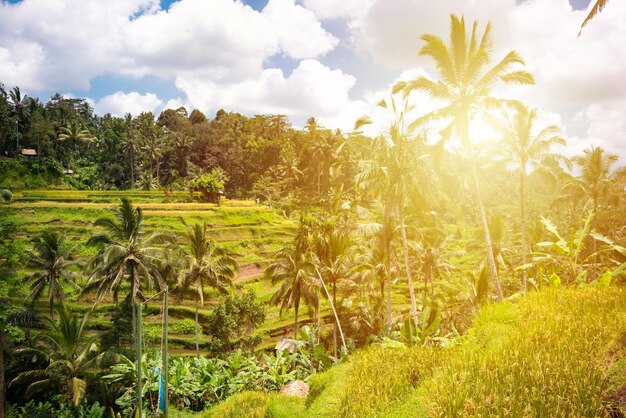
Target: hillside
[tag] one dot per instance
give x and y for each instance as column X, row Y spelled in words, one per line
column 515, row 360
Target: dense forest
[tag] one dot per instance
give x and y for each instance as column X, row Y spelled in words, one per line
column 421, row 246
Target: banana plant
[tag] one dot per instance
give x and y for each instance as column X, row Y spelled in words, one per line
column 568, row 259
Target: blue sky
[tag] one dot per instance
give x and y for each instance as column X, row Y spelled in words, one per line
column 325, row 58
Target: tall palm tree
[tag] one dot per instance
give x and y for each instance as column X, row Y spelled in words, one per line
column 394, row 174
column 69, row 352
column 52, row 258
column 123, row 254
column 74, row 133
column 596, row 172
column 19, row 105
column 293, row 269
column 130, row 146
column 332, row 252
column 466, row 83
column 206, row 264
column 523, row 147
column 381, row 250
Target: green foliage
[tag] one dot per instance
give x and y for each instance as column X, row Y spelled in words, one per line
column 198, row 382
column 232, row 320
column 211, row 185
column 6, row 195
column 517, row 357
column 245, row 404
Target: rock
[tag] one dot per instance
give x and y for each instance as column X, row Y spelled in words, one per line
column 296, row 388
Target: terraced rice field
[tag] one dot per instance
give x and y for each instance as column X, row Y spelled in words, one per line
column 253, row 233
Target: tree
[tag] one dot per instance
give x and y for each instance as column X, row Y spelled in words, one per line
column 332, row 251
column 293, row 269
column 466, row 84
column 523, row 147
column 206, row 264
column 9, row 260
column 123, row 253
column 393, row 174
column 19, row 105
column 211, row 185
column 595, row 178
column 52, row 259
column 69, row 352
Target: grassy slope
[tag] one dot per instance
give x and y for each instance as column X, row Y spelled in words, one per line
column 253, row 233
column 553, row 353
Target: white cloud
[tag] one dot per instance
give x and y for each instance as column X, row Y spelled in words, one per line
column 332, row 9
column 312, row 89
column 579, row 80
column 389, row 32
column 290, row 23
column 65, row 44
column 120, row 103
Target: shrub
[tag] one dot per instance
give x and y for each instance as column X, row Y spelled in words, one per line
column 7, row 196
column 244, row 404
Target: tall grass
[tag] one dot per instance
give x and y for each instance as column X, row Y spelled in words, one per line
column 552, row 353
column 551, row 360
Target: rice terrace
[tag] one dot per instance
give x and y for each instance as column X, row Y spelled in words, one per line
column 308, row 208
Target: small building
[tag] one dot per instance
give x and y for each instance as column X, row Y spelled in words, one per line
column 288, row 344
column 28, row 152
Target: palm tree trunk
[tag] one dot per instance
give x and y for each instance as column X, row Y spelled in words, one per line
column 295, row 326
column 133, row 298
column 522, row 195
column 335, row 326
column 388, row 279
column 491, row 261
column 2, row 384
column 332, row 306
column 197, row 337
column 407, row 267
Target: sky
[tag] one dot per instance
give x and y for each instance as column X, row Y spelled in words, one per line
column 330, row 59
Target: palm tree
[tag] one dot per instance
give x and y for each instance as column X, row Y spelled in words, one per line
column 206, row 264
column 69, row 354
column 595, row 177
column 332, row 252
column 19, row 104
column 130, row 146
column 75, row 134
column 294, row 271
column 52, row 259
column 123, row 254
column 381, row 251
column 524, row 148
column 466, row 84
column 597, row 8
column 394, row 174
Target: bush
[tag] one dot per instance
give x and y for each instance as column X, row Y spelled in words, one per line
column 186, row 326
column 244, row 404
column 7, row 196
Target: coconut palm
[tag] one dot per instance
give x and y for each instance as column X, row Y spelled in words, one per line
column 466, row 83
column 331, row 258
column 69, row 352
column 525, row 148
column 207, row 264
column 123, row 253
column 52, row 258
column 394, row 174
column 596, row 173
column 19, row 105
column 130, row 146
column 75, row 134
column 381, row 253
column 293, row 269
